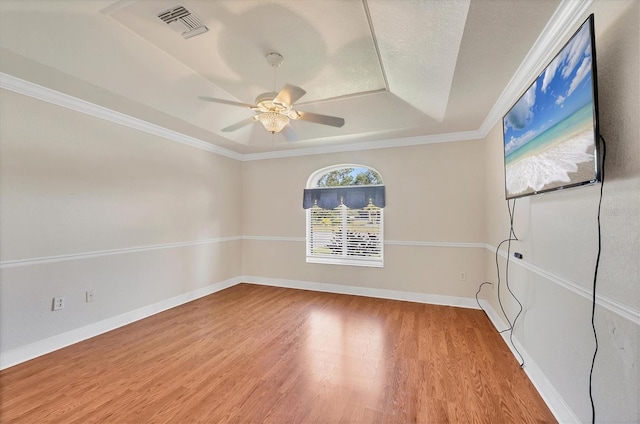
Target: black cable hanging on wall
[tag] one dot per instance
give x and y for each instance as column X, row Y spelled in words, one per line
column 512, row 237
column 595, row 280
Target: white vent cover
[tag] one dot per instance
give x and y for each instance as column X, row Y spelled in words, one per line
column 183, row 21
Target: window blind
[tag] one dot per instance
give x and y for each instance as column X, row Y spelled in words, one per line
column 353, row 236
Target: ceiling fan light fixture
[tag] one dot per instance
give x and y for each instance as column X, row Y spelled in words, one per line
column 275, row 110
column 272, row 121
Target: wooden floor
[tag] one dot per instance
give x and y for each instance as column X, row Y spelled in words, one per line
column 253, row 354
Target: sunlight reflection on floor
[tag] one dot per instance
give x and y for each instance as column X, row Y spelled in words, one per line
column 346, row 351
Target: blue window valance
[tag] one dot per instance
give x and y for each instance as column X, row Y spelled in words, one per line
column 353, row 197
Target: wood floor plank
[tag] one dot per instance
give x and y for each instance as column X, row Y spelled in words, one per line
column 257, row 354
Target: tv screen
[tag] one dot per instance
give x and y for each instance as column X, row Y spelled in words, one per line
column 551, row 132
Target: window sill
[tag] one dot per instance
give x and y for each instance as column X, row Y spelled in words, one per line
column 371, row 263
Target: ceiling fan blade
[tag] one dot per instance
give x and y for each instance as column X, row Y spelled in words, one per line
column 289, row 95
column 225, row 102
column 240, row 124
column 289, row 133
column 333, row 121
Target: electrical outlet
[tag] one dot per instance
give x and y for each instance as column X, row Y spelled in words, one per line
column 90, row 296
column 463, row 276
column 58, row 303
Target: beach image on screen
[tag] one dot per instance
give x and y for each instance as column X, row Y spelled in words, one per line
column 549, row 133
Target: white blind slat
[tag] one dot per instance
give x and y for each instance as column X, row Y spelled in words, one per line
column 345, row 233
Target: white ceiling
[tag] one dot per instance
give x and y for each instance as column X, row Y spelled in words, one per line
column 393, row 69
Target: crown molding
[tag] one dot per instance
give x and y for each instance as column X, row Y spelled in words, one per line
column 560, row 26
column 27, row 88
column 366, row 145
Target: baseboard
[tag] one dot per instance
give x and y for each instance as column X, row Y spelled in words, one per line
column 50, row 344
column 434, row 299
column 553, row 399
column 42, row 347
column 549, row 394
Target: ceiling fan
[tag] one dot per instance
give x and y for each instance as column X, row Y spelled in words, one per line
column 275, row 110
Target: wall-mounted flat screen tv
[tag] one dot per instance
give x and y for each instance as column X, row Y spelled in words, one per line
column 551, row 132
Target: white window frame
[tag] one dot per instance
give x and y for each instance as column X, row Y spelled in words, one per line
column 344, row 258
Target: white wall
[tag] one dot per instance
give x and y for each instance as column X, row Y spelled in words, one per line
column 434, row 195
column 558, row 238
column 146, row 223
column 91, row 205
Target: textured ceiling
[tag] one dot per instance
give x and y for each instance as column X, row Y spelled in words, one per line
column 391, row 68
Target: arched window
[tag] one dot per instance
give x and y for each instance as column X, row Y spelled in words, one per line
column 344, row 206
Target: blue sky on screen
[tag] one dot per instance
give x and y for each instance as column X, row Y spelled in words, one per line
column 564, row 87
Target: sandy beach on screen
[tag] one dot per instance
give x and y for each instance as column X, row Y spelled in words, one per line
column 563, row 163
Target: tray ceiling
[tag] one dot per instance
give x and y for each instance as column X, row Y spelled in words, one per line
column 391, row 69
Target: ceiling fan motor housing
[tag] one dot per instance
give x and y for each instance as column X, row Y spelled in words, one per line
column 266, row 97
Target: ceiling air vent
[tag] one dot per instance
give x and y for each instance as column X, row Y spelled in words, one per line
column 183, row 21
